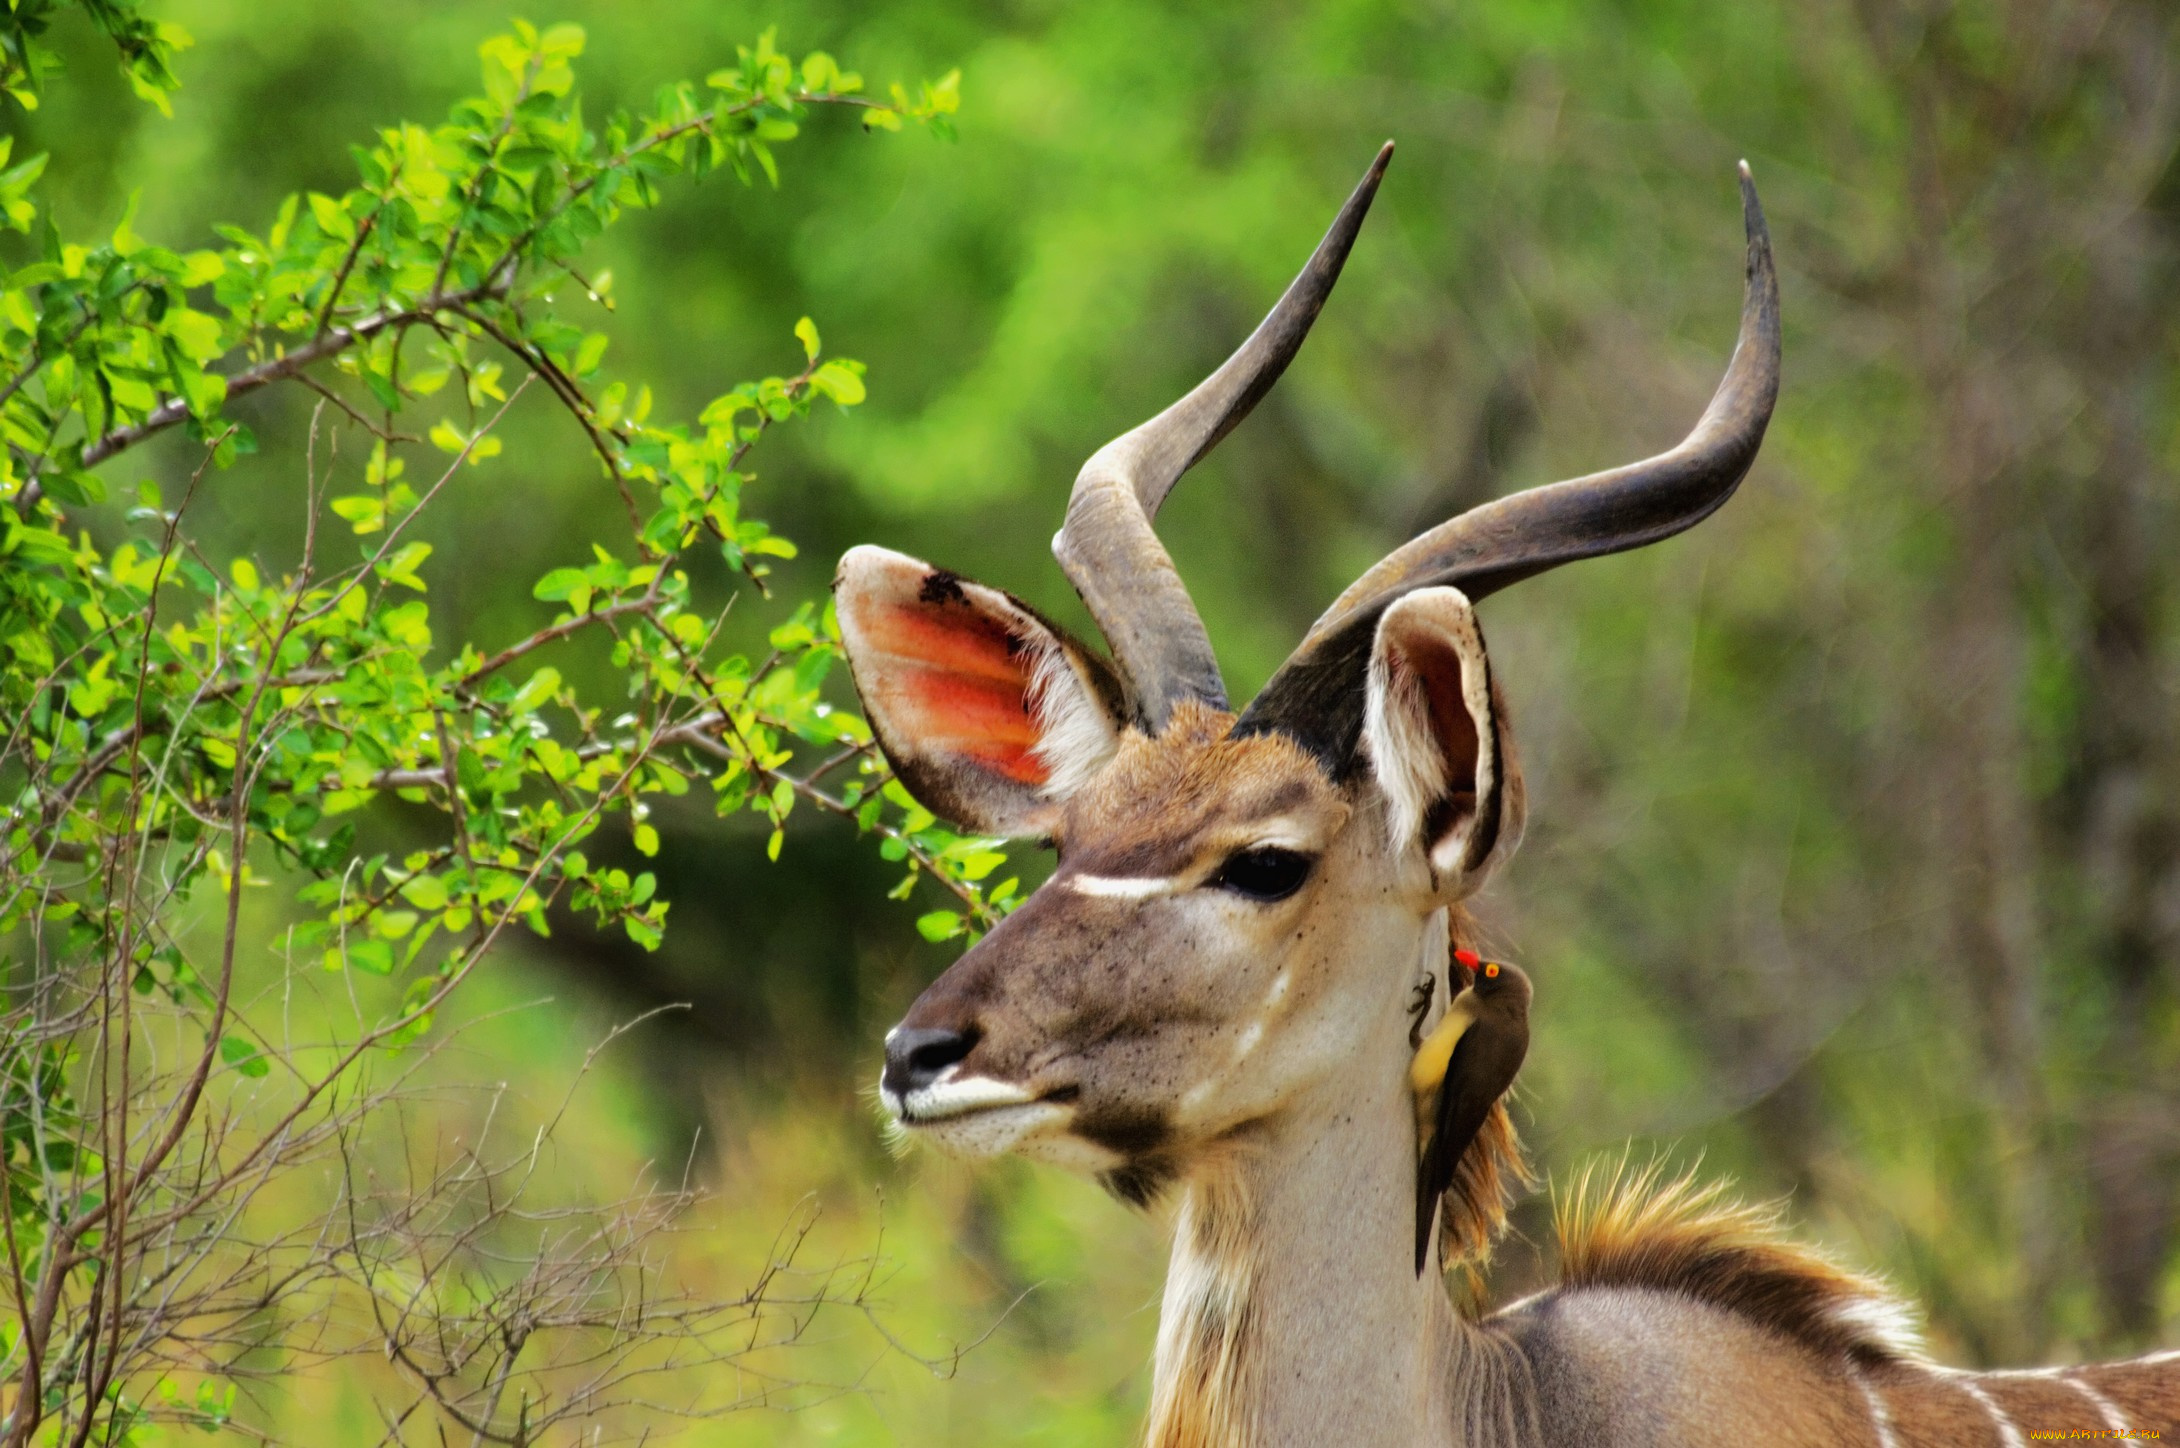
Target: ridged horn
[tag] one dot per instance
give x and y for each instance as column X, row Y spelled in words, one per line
column 1107, row 547
column 1316, row 697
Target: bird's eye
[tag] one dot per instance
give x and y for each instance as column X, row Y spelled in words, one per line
column 1264, row 874
column 1491, row 971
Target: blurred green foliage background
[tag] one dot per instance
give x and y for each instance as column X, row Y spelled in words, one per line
column 1855, row 849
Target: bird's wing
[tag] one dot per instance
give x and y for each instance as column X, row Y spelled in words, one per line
column 1482, row 1067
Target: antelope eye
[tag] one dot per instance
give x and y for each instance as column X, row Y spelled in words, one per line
column 1266, row 874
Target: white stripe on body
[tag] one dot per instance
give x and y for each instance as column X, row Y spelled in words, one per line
column 1880, row 1415
column 2106, row 1408
column 2008, row 1433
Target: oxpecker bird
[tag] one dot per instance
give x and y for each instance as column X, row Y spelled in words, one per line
column 1460, row 1071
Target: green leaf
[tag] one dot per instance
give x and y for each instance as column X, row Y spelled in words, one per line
column 543, row 685
column 204, row 392
column 195, row 333
column 243, row 1056
column 332, row 218
column 69, row 485
column 126, row 241
column 382, row 388
column 375, row 956
column 560, row 583
column 363, row 512
column 426, row 892
column 470, row 773
column 401, row 566
column 806, row 331
column 939, row 925
column 393, row 924
column 201, row 268
column 942, row 97
column 841, row 381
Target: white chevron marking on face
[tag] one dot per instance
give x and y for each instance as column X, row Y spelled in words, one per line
column 1123, row 887
column 1250, row 1036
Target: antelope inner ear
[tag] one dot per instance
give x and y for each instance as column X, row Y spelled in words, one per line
column 990, row 715
column 1435, row 729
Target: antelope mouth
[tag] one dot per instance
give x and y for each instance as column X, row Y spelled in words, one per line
column 952, row 1098
column 977, row 1116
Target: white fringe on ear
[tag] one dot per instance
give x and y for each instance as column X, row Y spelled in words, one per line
column 1403, row 754
column 1407, row 757
column 1074, row 735
column 1451, row 852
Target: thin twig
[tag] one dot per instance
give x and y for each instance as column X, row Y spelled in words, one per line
column 288, row 364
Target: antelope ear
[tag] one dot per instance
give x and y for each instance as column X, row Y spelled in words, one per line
column 1435, row 726
column 990, row 716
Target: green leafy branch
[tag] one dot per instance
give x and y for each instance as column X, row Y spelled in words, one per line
column 145, row 48
column 172, row 725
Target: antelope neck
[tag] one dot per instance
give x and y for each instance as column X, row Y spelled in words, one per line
column 1292, row 1312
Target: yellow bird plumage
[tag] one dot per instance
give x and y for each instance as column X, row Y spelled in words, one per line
column 1428, row 1070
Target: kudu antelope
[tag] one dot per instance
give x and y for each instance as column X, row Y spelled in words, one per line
column 1216, row 990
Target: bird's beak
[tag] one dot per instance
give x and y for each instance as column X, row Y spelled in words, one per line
column 1428, row 1069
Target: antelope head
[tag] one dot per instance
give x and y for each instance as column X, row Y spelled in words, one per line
column 1242, row 902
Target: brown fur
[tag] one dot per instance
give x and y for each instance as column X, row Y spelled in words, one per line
column 2146, row 1391
column 2047, row 1404
column 1930, row 1407
column 1641, row 1229
column 1934, row 1410
column 1184, row 799
column 2039, row 1403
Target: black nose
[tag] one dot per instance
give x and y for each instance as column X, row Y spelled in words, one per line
column 915, row 1057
